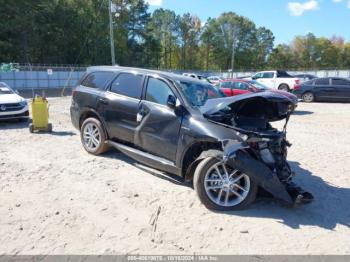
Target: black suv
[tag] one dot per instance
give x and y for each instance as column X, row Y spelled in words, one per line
column 187, row 127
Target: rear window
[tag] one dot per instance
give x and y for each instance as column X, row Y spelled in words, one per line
column 97, row 80
column 128, row 84
column 340, row 82
column 322, row 81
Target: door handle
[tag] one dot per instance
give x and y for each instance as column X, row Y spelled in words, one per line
column 103, row 101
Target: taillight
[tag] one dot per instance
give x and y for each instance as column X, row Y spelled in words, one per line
column 297, row 84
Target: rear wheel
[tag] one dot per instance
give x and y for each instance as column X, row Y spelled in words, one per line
column 221, row 187
column 284, row 87
column 308, row 97
column 93, row 136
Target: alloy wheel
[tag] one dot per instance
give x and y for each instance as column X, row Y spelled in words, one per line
column 225, row 186
column 91, row 136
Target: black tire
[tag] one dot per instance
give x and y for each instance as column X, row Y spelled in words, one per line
column 199, row 186
column 308, row 97
column 102, row 146
column 284, row 87
column 31, row 128
column 49, row 128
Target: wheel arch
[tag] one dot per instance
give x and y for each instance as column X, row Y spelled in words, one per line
column 283, row 84
column 195, row 153
column 88, row 113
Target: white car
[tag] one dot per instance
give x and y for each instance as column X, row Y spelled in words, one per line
column 214, row 79
column 280, row 80
column 12, row 106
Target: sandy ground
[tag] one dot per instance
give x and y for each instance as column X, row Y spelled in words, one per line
column 57, row 199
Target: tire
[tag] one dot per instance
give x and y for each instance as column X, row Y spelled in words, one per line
column 31, row 128
column 308, row 97
column 206, row 170
column 49, row 128
column 93, row 136
column 284, row 87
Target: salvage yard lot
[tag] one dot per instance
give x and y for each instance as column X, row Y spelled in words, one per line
column 57, row 199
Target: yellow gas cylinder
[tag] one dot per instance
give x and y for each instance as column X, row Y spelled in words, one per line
column 40, row 115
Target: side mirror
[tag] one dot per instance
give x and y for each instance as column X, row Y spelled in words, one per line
column 171, row 101
column 254, row 77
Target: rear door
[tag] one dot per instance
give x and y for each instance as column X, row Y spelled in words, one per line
column 119, row 106
column 158, row 124
column 323, row 89
column 342, row 87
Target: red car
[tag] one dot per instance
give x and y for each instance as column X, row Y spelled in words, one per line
column 234, row 87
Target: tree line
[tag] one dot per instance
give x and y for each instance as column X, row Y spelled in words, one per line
column 77, row 32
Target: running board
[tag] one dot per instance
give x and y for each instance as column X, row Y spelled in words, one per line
column 140, row 155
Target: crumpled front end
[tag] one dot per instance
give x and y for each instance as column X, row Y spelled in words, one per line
column 261, row 152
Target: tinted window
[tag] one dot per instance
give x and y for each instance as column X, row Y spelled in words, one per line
column 309, row 83
column 128, row 84
column 340, row 82
column 97, row 79
column 268, row 75
column 240, row 85
column 322, row 81
column 259, row 75
column 227, row 84
column 158, row 91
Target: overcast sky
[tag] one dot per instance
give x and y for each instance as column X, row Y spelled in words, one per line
column 285, row 18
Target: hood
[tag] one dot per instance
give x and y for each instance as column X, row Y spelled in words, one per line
column 10, row 99
column 267, row 105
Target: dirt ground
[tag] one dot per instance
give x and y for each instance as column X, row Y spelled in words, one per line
column 57, row 199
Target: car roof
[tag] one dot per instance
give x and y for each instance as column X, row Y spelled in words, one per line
column 235, row 80
column 169, row 75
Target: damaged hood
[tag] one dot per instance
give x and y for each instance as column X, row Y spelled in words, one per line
column 271, row 106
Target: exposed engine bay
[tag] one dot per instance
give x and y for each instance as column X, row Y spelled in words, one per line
column 262, row 150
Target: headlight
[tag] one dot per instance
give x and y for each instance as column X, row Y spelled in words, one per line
column 23, row 103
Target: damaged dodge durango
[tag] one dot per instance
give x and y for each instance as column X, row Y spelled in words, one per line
column 226, row 146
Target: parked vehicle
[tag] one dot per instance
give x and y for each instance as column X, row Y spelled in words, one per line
column 324, row 89
column 233, row 87
column 280, row 80
column 214, row 79
column 12, row 106
column 187, row 127
column 305, row 77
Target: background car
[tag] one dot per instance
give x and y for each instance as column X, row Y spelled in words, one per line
column 305, row 77
column 324, row 89
column 280, row 80
column 12, row 106
column 234, row 87
column 214, row 79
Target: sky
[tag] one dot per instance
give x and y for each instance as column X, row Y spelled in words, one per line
column 285, row 18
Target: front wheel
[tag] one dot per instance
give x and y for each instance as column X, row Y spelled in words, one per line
column 221, row 187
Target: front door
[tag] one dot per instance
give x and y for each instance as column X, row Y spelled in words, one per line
column 342, row 87
column 158, row 124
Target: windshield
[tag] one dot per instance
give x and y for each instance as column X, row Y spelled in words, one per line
column 258, row 85
column 197, row 93
column 5, row 91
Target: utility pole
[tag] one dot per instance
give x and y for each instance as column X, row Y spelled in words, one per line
column 111, row 32
column 233, row 53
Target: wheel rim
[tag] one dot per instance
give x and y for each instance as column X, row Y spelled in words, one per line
column 91, row 136
column 226, row 186
column 308, row 97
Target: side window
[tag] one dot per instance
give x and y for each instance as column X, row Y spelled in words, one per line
column 97, row 79
column 158, row 91
column 268, row 75
column 339, row 82
column 322, row 82
column 128, row 84
column 259, row 75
